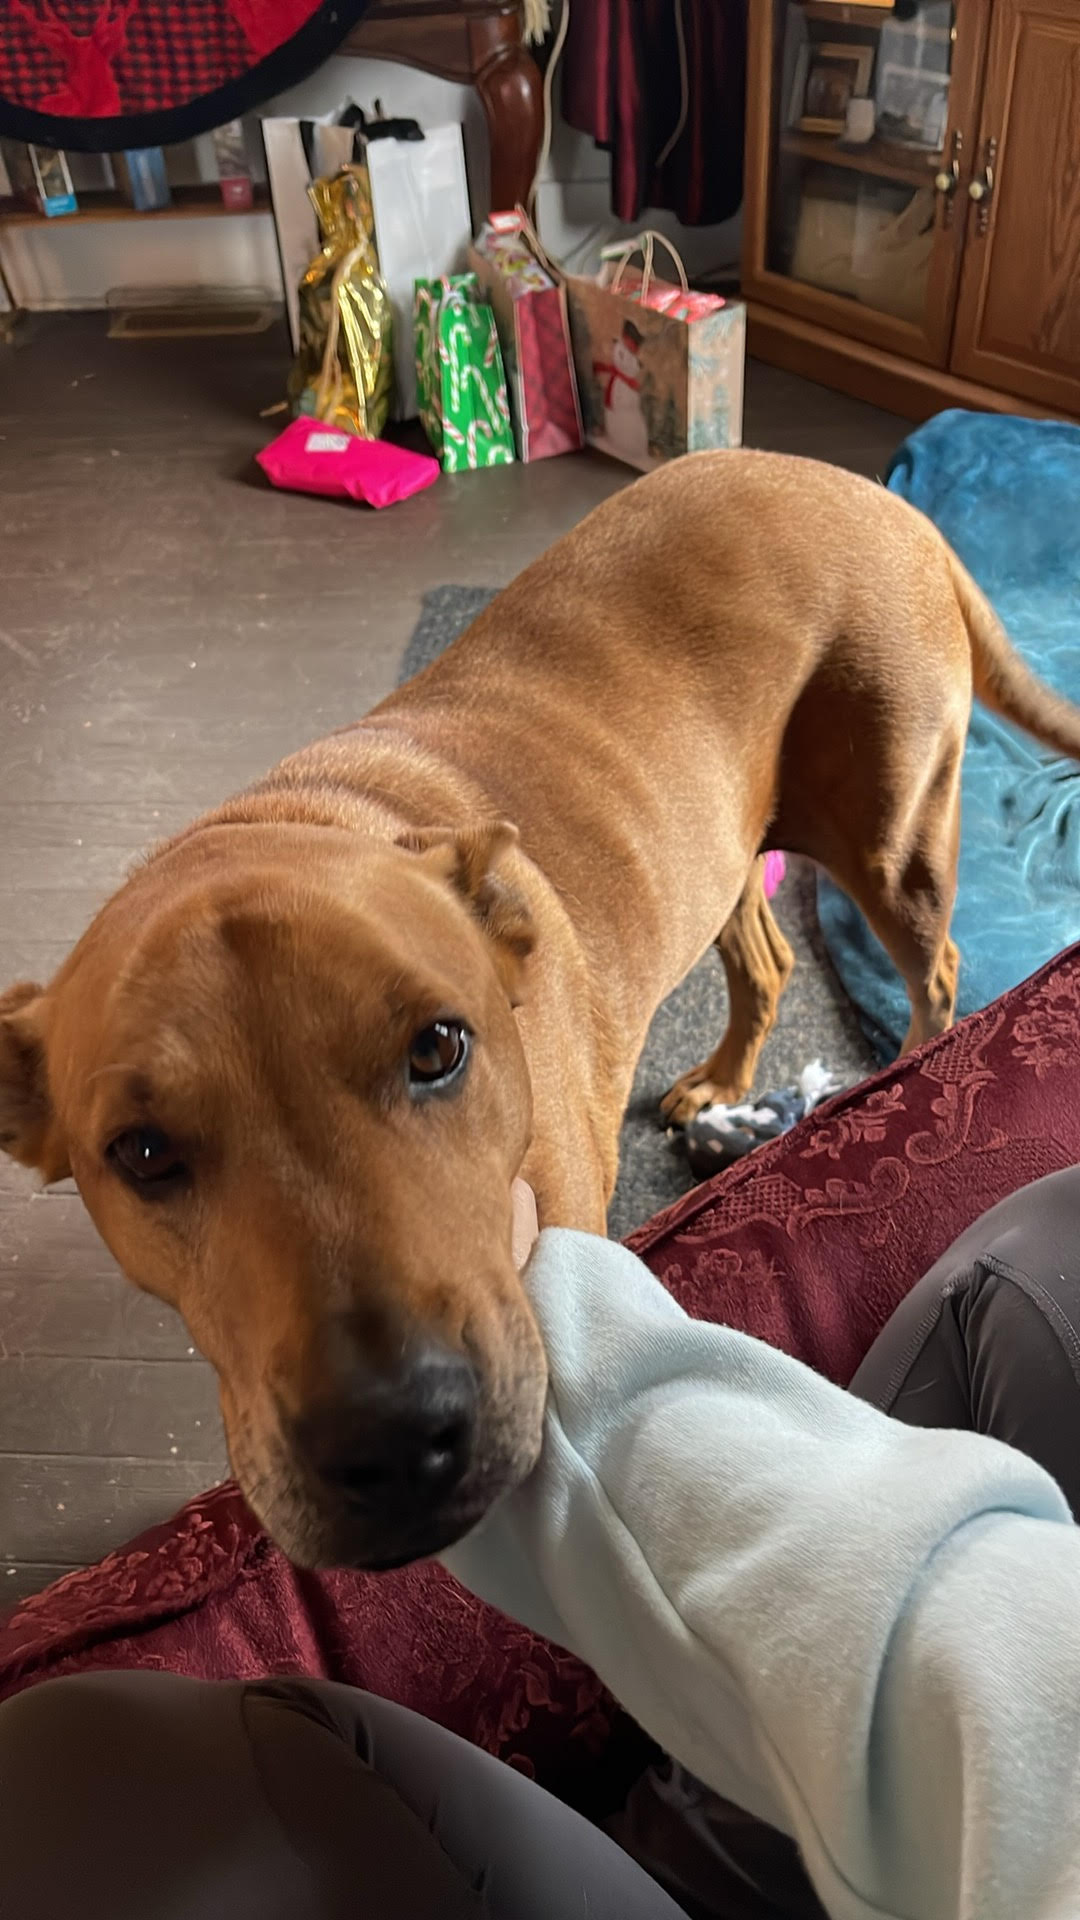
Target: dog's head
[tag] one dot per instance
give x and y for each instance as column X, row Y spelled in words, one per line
column 284, row 1068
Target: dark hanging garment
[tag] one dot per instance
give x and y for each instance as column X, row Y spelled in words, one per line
column 621, row 84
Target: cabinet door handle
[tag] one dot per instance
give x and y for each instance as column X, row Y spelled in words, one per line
column 981, row 189
column 947, row 180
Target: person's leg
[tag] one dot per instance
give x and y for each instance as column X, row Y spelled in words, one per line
column 989, row 1339
column 147, row 1797
column 718, row 1862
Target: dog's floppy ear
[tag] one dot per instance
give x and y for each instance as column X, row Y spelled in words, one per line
column 470, row 858
column 26, row 1118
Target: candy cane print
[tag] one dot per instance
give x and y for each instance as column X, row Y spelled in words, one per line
column 486, row 400
column 459, row 339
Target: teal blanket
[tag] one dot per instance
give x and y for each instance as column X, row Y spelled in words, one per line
column 1006, row 494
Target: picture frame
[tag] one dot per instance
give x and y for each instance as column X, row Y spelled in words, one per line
column 835, row 72
column 53, row 179
column 913, row 106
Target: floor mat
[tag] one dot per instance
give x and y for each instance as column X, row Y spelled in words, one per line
column 1004, row 493
column 816, row 1017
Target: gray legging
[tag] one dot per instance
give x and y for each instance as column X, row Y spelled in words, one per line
column 142, row 1796
column 990, row 1339
column 147, row 1797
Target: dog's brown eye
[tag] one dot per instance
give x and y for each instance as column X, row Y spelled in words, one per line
column 146, row 1157
column 438, row 1053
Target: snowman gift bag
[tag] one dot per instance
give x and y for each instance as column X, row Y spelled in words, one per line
column 659, row 367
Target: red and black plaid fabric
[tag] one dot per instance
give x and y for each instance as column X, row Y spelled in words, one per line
column 93, row 75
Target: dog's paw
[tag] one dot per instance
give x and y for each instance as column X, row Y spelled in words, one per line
column 687, row 1097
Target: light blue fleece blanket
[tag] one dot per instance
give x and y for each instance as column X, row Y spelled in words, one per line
column 1006, row 494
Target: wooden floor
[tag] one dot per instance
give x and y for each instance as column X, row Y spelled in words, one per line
column 169, row 627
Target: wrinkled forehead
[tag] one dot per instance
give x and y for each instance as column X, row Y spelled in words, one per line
column 202, row 984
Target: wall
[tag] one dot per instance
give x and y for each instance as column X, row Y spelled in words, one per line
column 78, row 263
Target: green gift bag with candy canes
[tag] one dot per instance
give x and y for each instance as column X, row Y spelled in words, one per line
column 460, row 383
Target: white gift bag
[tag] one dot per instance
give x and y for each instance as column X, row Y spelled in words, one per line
column 422, row 229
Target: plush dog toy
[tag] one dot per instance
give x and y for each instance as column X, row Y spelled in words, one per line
column 717, row 1135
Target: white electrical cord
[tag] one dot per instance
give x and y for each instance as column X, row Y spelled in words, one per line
column 583, row 246
column 549, row 109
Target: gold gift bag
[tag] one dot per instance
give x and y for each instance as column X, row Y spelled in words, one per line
column 343, row 372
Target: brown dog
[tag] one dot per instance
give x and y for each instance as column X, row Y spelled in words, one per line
column 296, row 1062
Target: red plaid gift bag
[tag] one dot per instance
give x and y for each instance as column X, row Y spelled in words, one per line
column 529, row 304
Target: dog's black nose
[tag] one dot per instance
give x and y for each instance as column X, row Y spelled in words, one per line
column 409, row 1437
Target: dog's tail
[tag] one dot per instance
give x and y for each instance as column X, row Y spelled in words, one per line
column 1001, row 680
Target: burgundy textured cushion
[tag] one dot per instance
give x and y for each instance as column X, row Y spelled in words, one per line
column 809, row 1243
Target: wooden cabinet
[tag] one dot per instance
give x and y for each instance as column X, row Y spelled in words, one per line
column 912, row 219
column 1018, row 314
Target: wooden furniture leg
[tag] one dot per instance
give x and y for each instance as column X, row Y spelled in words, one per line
column 479, row 43
column 512, row 92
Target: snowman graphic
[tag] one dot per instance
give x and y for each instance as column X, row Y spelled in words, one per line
column 626, row 430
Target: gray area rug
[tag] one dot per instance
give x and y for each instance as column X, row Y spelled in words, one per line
column 816, row 1018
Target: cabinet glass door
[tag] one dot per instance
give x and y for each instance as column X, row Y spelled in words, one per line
column 864, row 161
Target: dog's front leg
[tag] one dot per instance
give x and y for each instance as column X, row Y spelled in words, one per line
column 758, row 963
